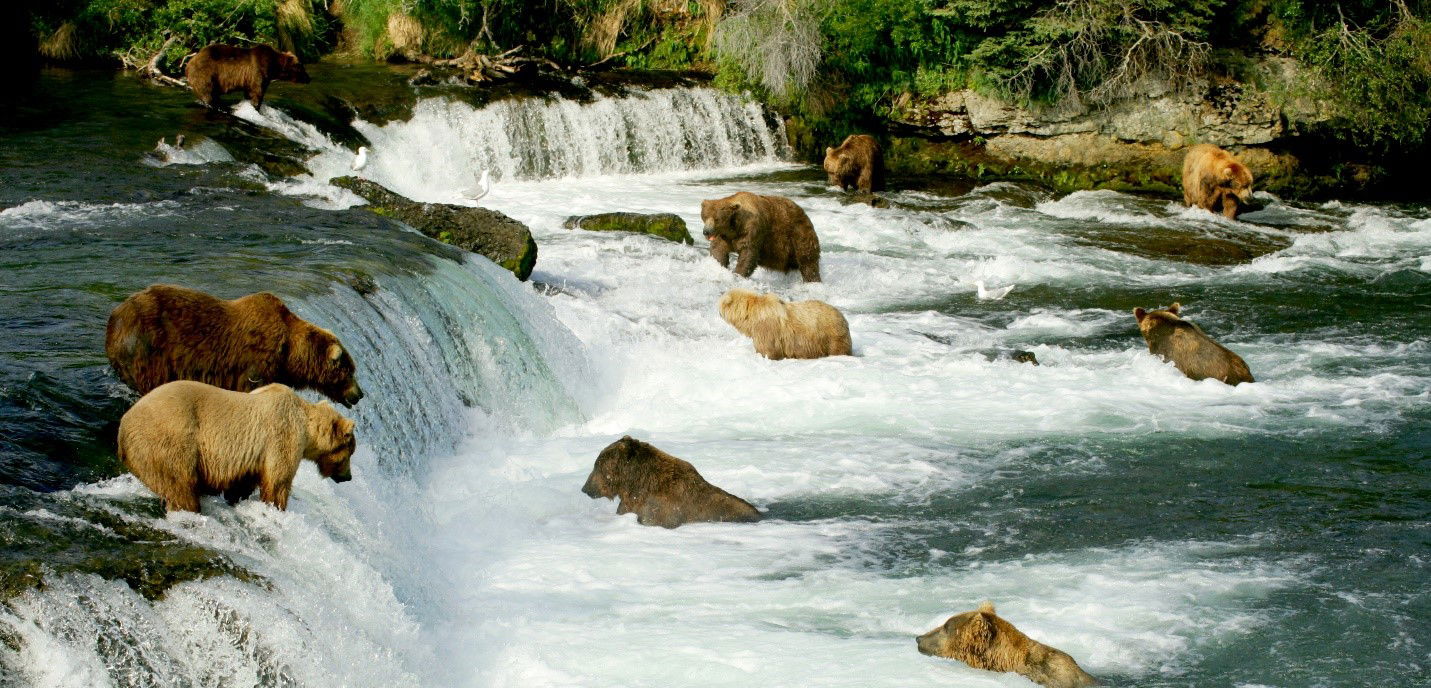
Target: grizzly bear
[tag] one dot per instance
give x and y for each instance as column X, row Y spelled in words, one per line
column 769, row 231
column 1189, row 348
column 983, row 640
column 661, row 489
column 1216, row 181
column 220, row 69
column 166, row 333
column 857, row 163
column 187, row 439
column 781, row 329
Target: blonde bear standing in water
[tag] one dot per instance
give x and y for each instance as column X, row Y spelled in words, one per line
column 187, row 439
column 780, row 329
column 983, row 640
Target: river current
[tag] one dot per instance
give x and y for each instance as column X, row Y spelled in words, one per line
column 1163, row 532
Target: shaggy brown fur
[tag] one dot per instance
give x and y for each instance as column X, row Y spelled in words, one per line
column 781, row 329
column 661, row 489
column 1213, row 179
column 984, row 641
column 220, row 69
column 187, row 439
column 857, row 163
column 769, row 231
column 166, row 333
column 1189, row 348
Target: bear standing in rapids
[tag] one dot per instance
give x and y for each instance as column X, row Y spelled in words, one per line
column 1189, row 348
column 857, row 163
column 769, row 231
column 187, row 439
column 661, row 489
column 1216, row 181
column 220, row 69
column 166, row 333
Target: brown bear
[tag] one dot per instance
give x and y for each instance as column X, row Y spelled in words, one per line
column 781, row 329
column 661, row 489
column 857, row 163
column 983, row 640
column 769, row 231
column 220, row 69
column 1216, row 181
column 1189, row 348
column 187, row 439
column 166, row 333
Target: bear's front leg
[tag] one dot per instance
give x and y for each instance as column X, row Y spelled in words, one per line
column 720, row 251
column 745, row 264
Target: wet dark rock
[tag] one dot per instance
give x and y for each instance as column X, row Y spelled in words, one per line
column 1186, row 246
column 1025, row 357
column 667, row 226
column 862, row 198
column 487, row 232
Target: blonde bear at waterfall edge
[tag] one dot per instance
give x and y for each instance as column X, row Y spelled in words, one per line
column 781, row 329
column 187, row 439
column 983, row 640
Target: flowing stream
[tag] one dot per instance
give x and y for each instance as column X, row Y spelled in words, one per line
column 1163, row 532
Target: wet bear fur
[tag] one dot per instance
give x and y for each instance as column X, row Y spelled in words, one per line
column 782, row 329
column 187, row 439
column 1189, row 348
column 166, row 333
column 857, row 163
column 661, row 489
column 219, row 69
column 1214, row 180
column 983, row 640
column 769, row 231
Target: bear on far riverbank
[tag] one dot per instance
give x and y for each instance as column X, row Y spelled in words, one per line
column 220, row 69
column 1214, row 180
column 857, row 163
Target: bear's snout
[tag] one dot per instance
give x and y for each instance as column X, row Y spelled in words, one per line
column 352, row 395
column 343, row 477
column 589, row 489
column 709, row 231
column 928, row 643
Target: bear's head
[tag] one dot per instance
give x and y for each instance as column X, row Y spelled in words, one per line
column 838, row 163
column 610, row 477
column 969, row 637
column 720, row 217
column 290, row 69
column 1234, row 189
column 324, row 364
column 1154, row 324
column 331, row 442
column 742, row 308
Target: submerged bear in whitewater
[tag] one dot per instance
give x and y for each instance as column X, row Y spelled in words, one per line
column 187, row 439
column 983, row 640
column 167, row 333
column 661, row 489
column 1189, row 348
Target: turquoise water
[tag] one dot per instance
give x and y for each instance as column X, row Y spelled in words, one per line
column 1163, row 532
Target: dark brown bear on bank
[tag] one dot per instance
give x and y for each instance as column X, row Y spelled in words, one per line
column 983, row 640
column 661, row 489
column 1216, row 181
column 769, row 231
column 166, row 333
column 857, row 163
column 1189, row 348
column 220, row 69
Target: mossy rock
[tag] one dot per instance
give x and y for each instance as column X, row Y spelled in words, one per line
column 668, row 226
column 487, row 232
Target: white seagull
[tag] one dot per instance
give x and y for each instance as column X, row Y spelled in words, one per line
column 484, row 186
column 362, row 160
column 994, row 294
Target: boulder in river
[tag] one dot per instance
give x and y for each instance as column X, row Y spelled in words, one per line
column 505, row 241
column 664, row 225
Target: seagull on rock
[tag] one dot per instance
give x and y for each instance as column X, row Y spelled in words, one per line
column 362, row 160
column 484, row 186
column 994, row 294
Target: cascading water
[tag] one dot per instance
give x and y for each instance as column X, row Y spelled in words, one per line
column 1164, row 532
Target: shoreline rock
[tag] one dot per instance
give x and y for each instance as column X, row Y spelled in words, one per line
column 487, row 232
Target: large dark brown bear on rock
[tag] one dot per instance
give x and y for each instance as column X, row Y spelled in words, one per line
column 166, row 333
column 858, row 163
column 220, row 69
column 1216, row 181
column 769, row 231
column 983, row 640
column 1189, row 348
column 661, row 489
column 187, row 439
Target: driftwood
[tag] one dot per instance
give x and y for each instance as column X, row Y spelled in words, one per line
column 150, row 69
column 479, row 68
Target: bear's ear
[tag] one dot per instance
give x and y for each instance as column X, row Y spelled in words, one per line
column 986, row 607
column 1175, row 308
column 829, row 150
column 335, row 351
column 1140, row 314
